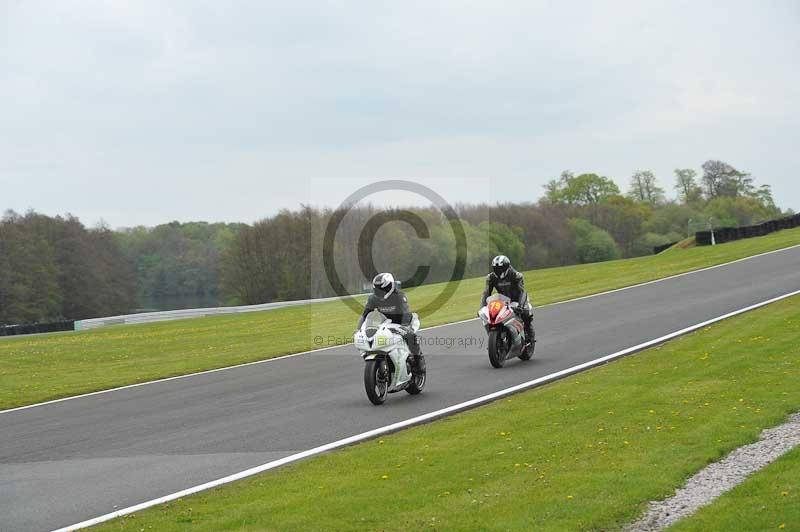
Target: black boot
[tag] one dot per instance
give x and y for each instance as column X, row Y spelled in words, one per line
column 529, row 338
column 417, row 363
column 417, row 360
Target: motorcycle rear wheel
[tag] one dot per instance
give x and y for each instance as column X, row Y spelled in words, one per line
column 417, row 382
column 527, row 353
column 376, row 381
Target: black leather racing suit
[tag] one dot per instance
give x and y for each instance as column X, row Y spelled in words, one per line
column 395, row 307
column 512, row 285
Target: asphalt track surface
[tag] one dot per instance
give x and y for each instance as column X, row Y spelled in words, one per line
column 70, row 461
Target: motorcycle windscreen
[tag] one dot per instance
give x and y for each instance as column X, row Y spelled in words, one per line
column 372, row 322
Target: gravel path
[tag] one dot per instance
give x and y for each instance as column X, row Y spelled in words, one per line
column 719, row 477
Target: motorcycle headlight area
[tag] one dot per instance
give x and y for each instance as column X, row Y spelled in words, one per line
column 383, row 340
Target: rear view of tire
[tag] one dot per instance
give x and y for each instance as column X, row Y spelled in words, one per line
column 376, row 381
column 527, row 353
column 498, row 347
column 417, row 382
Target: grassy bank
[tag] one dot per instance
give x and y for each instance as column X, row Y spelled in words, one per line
column 39, row 368
column 769, row 500
column 585, row 453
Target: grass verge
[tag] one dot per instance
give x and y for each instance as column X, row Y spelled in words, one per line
column 768, row 500
column 587, row 452
column 40, row 368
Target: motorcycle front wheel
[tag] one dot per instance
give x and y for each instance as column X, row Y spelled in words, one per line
column 498, row 347
column 376, row 381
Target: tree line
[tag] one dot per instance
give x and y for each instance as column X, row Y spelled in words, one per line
column 581, row 218
column 642, row 217
column 177, row 264
column 54, row 267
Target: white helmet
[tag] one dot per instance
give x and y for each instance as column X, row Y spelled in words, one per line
column 383, row 285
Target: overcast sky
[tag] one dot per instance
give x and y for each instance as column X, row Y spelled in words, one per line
column 145, row 112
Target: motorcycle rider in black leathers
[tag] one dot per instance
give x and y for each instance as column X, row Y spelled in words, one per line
column 390, row 301
column 510, row 283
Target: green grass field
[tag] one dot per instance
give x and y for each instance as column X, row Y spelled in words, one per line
column 584, row 453
column 39, row 368
column 769, row 500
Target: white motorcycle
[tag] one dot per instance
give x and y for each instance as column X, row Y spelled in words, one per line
column 388, row 368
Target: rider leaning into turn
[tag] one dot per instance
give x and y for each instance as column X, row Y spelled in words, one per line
column 510, row 283
column 390, row 301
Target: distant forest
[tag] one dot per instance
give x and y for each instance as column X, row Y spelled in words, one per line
column 56, row 268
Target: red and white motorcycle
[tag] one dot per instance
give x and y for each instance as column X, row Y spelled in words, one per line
column 506, row 331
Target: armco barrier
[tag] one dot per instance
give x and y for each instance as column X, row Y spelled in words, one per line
column 729, row 234
column 36, row 328
column 148, row 317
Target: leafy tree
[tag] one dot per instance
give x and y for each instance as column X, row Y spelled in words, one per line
column 505, row 241
column 643, row 188
column 177, row 264
column 623, row 218
column 722, row 179
column 543, row 227
column 764, row 196
column 736, row 185
column 271, row 260
column 671, row 219
column 585, row 189
column 554, row 187
column 732, row 212
column 593, row 243
column 689, row 191
column 442, row 251
column 53, row 268
column 713, row 174
column 30, row 276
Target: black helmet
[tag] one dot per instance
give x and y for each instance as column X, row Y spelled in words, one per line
column 383, row 285
column 500, row 265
